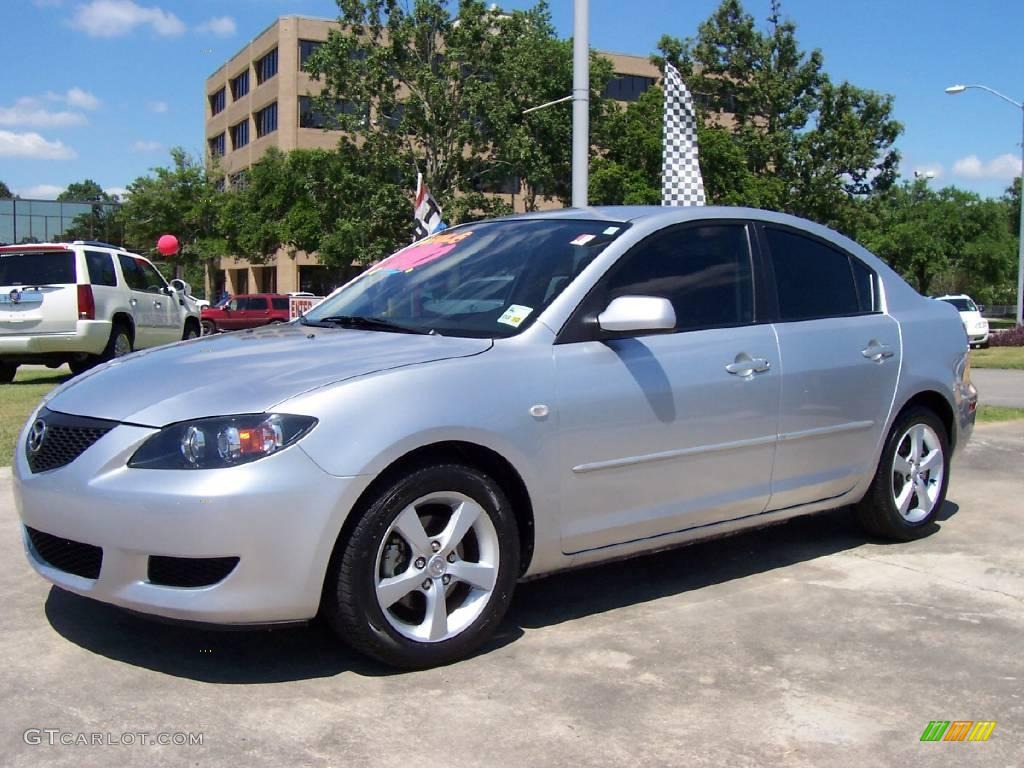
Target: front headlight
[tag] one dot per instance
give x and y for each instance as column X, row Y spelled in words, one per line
column 221, row 442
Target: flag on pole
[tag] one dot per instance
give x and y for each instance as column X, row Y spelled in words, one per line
column 426, row 211
column 681, row 182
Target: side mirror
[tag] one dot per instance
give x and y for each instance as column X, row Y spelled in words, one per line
column 181, row 286
column 638, row 313
column 981, row 308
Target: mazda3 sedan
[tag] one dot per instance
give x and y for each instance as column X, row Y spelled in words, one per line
column 396, row 461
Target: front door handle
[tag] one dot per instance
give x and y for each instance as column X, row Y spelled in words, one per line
column 133, row 302
column 746, row 366
column 877, row 351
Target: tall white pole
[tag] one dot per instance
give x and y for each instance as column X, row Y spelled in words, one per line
column 1020, row 233
column 580, row 103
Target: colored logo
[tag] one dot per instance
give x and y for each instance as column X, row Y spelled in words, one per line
column 958, row 730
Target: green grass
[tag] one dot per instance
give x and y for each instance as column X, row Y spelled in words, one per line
column 18, row 399
column 997, row 323
column 990, row 413
column 998, row 357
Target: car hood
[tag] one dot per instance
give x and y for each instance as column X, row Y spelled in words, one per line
column 244, row 372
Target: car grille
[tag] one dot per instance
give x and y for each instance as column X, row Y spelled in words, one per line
column 66, row 555
column 64, row 439
column 189, row 571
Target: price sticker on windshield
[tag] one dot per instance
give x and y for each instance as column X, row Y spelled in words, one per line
column 515, row 315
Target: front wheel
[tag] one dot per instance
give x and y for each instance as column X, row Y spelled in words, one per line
column 8, row 372
column 909, row 486
column 428, row 571
column 192, row 331
column 209, row 327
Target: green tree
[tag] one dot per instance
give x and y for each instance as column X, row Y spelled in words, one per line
column 811, row 146
column 445, row 94
column 5, row 191
column 86, row 190
column 340, row 204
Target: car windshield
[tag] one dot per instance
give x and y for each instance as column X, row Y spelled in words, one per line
column 489, row 279
column 962, row 305
column 37, row 268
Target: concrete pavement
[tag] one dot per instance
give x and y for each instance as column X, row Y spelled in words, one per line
column 999, row 387
column 801, row 645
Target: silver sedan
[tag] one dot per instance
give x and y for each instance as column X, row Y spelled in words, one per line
column 396, row 461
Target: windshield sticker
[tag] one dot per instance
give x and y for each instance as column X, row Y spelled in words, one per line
column 425, row 251
column 582, row 239
column 611, row 231
column 515, row 315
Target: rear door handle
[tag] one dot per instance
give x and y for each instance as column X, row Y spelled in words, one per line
column 746, row 366
column 877, row 351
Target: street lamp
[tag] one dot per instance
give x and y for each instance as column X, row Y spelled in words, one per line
column 955, row 89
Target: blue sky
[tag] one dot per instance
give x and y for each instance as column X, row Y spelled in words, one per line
column 102, row 88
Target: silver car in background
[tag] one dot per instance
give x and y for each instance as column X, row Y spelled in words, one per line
column 397, row 460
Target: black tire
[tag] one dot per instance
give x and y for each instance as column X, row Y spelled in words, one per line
column 878, row 511
column 8, row 372
column 208, row 327
column 350, row 603
column 192, row 330
column 81, row 366
column 120, row 342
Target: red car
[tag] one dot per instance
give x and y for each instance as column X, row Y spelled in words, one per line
column 246, row 311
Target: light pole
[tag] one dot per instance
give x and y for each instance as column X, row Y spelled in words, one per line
column 955, row 89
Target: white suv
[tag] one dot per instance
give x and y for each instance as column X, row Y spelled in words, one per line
column 975, row 325
column 85, row 302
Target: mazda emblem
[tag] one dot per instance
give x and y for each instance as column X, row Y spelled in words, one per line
column 36, row 436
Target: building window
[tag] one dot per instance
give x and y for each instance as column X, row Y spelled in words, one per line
column 217, row 102
column 306, row 49
column 311, row 117
column 239, row 181
column 266, row 120
column 627, row 87
column 266, row 67
column 216, row 145
column 496, row 184
column 240, row 86
column 240, row 134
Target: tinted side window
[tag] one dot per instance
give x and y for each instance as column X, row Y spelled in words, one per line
column 704, row 271
column 812, row 279
column 864, row 279
column 257, row 302
column 279, row 303
column 132, row 274
column 236, row 304
column 101, row 268
column 152, row 281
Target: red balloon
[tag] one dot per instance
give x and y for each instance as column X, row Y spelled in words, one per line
column 167, row 245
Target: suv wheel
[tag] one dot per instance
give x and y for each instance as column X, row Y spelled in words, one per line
column 910, row 483
column 120, row 343
column 209, row 327
column 7, row 372
column 192, row 330
column 428, row 572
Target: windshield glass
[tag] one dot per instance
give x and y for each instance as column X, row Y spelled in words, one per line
column 489, row 279
column 962, row 305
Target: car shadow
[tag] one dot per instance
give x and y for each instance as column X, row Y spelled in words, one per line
column 311, row 651
column 53, row 378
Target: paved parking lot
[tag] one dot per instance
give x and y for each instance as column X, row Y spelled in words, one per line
column 802, row 645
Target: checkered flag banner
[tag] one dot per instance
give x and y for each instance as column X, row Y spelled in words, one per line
column 681, row 182
column 426, row 211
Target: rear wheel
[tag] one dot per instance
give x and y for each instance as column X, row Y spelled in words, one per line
column 7, row 372
column 909, row 486
column 81, row 366
column 209, row 327
column 428, row 571
column 119, row 344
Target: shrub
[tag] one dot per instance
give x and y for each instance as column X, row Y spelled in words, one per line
column 1014, row 337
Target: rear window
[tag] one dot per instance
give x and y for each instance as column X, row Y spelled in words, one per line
column 279, row 303
column 37, row 268
column 101, row 268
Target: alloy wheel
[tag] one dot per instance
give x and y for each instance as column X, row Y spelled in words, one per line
column 918, row 466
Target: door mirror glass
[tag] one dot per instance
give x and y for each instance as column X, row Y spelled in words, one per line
column 638, row 313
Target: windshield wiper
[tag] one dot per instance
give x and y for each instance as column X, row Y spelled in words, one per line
column 364, row 323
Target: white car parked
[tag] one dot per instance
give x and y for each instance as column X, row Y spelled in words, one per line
column 975, row 325
column 82, row 303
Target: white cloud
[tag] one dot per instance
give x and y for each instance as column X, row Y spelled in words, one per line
column 160, row 107
column 32, row 145
column 121, row 192
column 31, row 112
column 113, row 18
column 76, row 97
column 973, row 167
column 40, row 191
column 146, row 146
column 221, row 26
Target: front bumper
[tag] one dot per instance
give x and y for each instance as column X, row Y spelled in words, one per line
column 90, row 337
column 279, row 516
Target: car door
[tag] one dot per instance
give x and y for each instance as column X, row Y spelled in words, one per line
column 662, row 432
column 167, row 319
column 257, row 312
column 840, row 361
column 140, row 303
column 234, row 314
